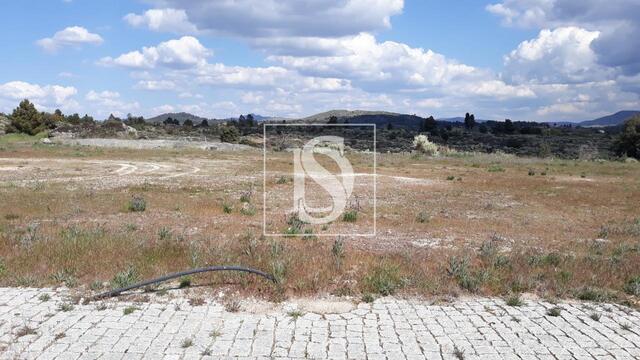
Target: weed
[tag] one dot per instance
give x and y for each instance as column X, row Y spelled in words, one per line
column 495, row 168
column 384, row 279
column 65, row 277
column 65, row 307
column 137, row 204
column 24, row 331
column 101, row 307
column 44, row 297
column 206, row 352
column 125, row 278
column 3, row 267
column 59, row 336
column 186, row 343
column 626, row 327
column 593, row 294
column 248, row 209
column 554, row 311
column 308, row 234
column 232, row 306
column 459, row 354
column 185, row 282
column 11, row 217
column 129, row 310
column 96, row 285
column 423, row 217
column 295, row 314
column 595, row 316
column 282, row 180
column 215, row 333
column 451, row 177
column 164, row 234
column 227, row 209
column 368, row 298
column 514, row 300
column 337, row 251
column 350, row 216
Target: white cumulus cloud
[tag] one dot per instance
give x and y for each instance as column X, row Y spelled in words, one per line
column 168, row 20
column 70, row 36
column 178, row 53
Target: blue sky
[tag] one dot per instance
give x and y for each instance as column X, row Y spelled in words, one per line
column 543, row 60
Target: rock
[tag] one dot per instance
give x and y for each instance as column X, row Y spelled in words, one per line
column 46, row 141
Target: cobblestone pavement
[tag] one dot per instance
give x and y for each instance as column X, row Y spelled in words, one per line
column 35, row 325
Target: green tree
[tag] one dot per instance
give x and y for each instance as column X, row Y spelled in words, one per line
column 26, row 119
column 429, row 124
column 469, row 121
column 628, row 144
column 188, row 123
column 230, row 134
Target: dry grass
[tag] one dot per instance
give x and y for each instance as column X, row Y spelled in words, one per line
column 487, row 232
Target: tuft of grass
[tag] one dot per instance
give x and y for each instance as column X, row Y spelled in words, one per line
column 282, row 180
column 65, row 277
column 337, row 251
column 137, row 204
column 451, row 177
column 595, row 316
column 96, row 285
column 59, row 336
column 206, row 352
column 248, row 209
column 514, row 300
column 227, row 209
column 65, row 307
column 594, row 294
column 232, row 306
column 129, row 310
column 368, row 298
column 44, row 297
column 186, row 343
column 554, row 311
column 626, row 327
column 198, row 301
column 215, row 333
column 384, row 279
column 350, row 216
column 295, row 314
column 532, row 172
column 125, row 278
column 495, row 168
column 11, row 216
column 459, row 354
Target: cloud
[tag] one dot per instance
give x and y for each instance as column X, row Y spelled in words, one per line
column 269, row 18
column 74, row 36
column 617, row 22
column 180, row 53
column 155, row 85
column 108, row 102
column 562, row 55
column 168, row 20
column 45, row 97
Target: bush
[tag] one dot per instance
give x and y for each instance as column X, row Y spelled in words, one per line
column 125, row 278
column 230, row 134
column 350, row 216
column 422, row 144
column 26, row 119
column 137, row 204
column 514, row 300
column 384, row 279
column 632, row 287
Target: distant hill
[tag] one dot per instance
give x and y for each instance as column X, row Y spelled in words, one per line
column 345, row 114
column 181, row 116
column 611, row 120
column 460, row 119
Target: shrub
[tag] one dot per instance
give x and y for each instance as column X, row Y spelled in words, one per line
column 593, row 294
column 423, row 217
column 368, row 298
column 628, row 144
column 632, row 287
column 125, row 278
column 384, row 279
column 337, row 251
column 595, row 316
column 232, row 306
column 164, row 234
column 227, row 209
column 422, row 144
column 495, row 168
column 248, row 209
column 137, row 204
column 129, row 310
column 230, row 134
column 185, row 282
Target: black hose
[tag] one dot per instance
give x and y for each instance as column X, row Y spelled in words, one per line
column 117, row 292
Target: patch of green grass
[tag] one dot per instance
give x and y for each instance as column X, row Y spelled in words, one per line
column 137, row 204
column 495, row 168
column 368, row 298
column 594, row 294
column 185, row 282
column 423, row 217
column 227, row 209
column 514, row 300
column 125, row 278
column 632, row 286
column 295, row 314
column 129, row 310
column 384, row 279
column 65, row 307
column 350, row 216
column 44, row 297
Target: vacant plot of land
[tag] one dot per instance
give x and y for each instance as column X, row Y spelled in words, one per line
column 488, row 224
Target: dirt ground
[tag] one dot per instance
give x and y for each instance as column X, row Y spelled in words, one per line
column 428, row 209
